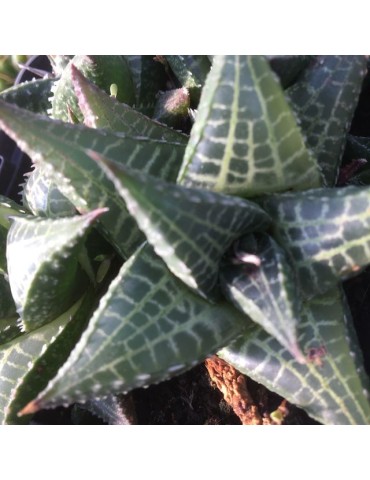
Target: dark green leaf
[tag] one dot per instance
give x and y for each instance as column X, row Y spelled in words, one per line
column 28, row 362
column 103, row 70
column 324, row 99
column 148, row 327
column 266, row 291
column 190, row 229
column 44, row 273
column 149, row 77
column 33, row 96
column 326, row 233
column 328, row 387
column 245, row 140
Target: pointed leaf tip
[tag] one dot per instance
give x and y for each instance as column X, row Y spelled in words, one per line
column 29, row 409
column 190, row 229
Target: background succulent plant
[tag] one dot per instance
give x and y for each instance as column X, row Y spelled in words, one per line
column 140, row 250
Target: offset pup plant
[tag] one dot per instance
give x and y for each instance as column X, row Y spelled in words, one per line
column 141, row 250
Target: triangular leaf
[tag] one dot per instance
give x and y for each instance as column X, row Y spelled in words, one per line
column 265, row 291
column 33, row 96
column 245, row 140
column 44, row 273
column 325, row 232
column 148, row 327
column 102, row 111
column 28, row 362
column 190, row 229
column 328, row 387
column 60, row 145
column 324, row 99
column 104, row 70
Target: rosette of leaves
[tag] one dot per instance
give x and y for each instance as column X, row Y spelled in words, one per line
column 143, row 250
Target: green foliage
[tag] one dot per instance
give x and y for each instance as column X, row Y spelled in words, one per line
column 140, row 249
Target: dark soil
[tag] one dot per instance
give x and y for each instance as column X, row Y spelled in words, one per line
column 190, row 399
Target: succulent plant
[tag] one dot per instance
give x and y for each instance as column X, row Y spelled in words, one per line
column 140, row 250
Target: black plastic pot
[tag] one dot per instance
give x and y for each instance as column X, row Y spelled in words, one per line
column 13, row 162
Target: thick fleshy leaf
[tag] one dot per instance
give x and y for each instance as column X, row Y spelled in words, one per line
column 288, row 67
column 28, row 362
column 44, row 273
column 33, row 96
column 190, row 229
column 148, row 327
column 324, row 99
column 42, row 196
column 265, row 291
column 191, row 71
column 102, row 111
column 104, row 70
column 8, row 208
column 325, row 232
column 329, row 387
column 245, row 140
column 61, row 146
column 149, row 77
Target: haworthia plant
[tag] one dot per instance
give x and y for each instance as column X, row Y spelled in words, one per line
column 246, row 141
column 228, row 240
